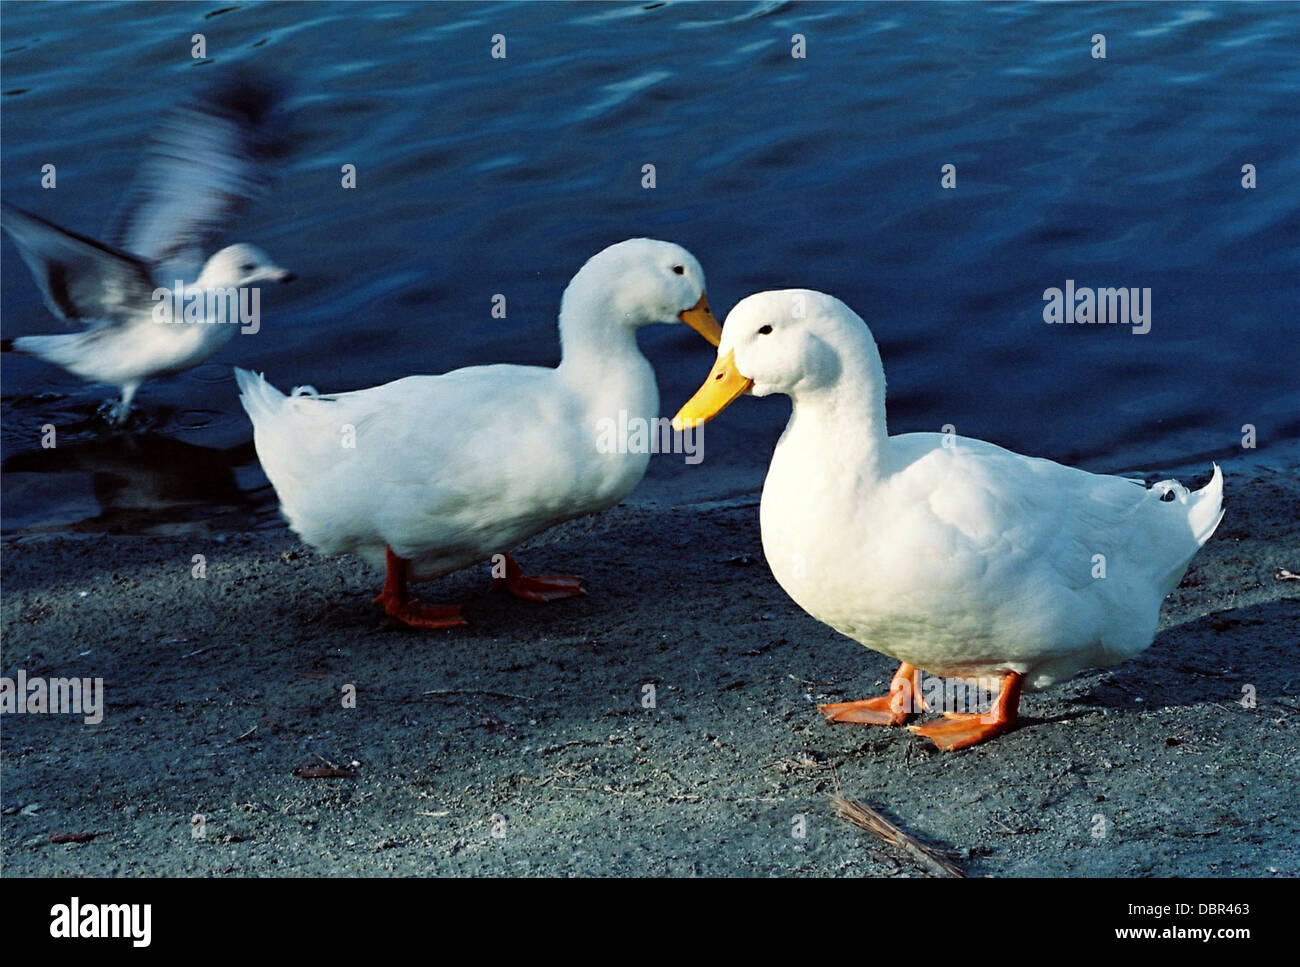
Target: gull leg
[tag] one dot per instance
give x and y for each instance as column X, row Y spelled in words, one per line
column 118, row 411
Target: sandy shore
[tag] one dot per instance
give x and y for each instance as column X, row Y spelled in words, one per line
column 522, row 744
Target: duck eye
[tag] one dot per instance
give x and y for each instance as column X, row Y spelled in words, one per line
column 679, row 269
column 247, row 267
column 765, row 330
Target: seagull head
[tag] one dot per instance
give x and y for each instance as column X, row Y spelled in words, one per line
column 241, row 265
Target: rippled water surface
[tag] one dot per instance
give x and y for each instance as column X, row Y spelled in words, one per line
column 479, row 176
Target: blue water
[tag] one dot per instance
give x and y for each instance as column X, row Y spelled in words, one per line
column 479, row 176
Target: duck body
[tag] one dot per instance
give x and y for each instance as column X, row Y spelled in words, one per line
column 950, row 554
column 976, row 561
column 446, row 470
column 428, row 474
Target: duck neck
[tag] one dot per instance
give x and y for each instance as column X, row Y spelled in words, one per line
column 600, row 357
column 845, row 418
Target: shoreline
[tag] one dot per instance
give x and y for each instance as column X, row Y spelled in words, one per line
column 524, row 745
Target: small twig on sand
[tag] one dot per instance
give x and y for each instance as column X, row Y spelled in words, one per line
column 805, row 681
column 867, row 818
column 246, row 734
column 323, row 772
column 327, row 771
column 476, row 691
column 1008, row 831
column 72, row 837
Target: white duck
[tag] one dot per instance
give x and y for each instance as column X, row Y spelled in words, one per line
column 428, row 474
column 946, row 553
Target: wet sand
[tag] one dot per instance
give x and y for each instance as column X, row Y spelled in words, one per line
column 522, row 745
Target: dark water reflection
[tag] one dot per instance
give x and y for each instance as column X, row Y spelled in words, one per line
column 478, row 177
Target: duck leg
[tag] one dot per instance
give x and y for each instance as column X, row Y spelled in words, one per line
column 396, row 599
column 957, row 730
column 903, row 700
column 537, row 587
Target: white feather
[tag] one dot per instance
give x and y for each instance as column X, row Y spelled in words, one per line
column 945, row 552
column 448, row 470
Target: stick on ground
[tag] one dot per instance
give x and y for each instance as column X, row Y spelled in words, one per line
column 477, row 691
column 864, row 817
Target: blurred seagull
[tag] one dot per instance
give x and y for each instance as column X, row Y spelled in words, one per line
column 203, row 166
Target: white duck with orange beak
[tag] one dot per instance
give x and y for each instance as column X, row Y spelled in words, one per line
column 948, row 554
column 428, row 474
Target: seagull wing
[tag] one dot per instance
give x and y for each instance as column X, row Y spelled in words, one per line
column 82, row 280
column 203, row 166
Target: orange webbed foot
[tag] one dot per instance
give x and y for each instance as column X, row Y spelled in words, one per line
column 959, row 730
column 537, row 587
column 398, row 605
column 867, row 711
column 903, row 700
column 428, row 617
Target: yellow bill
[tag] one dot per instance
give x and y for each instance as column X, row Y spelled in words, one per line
column 723, row 385
column 700, row 318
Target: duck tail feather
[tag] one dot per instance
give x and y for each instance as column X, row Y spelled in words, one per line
column 258, row 396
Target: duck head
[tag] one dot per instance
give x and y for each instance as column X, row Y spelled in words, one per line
column 637, row 283
column 794, row 341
